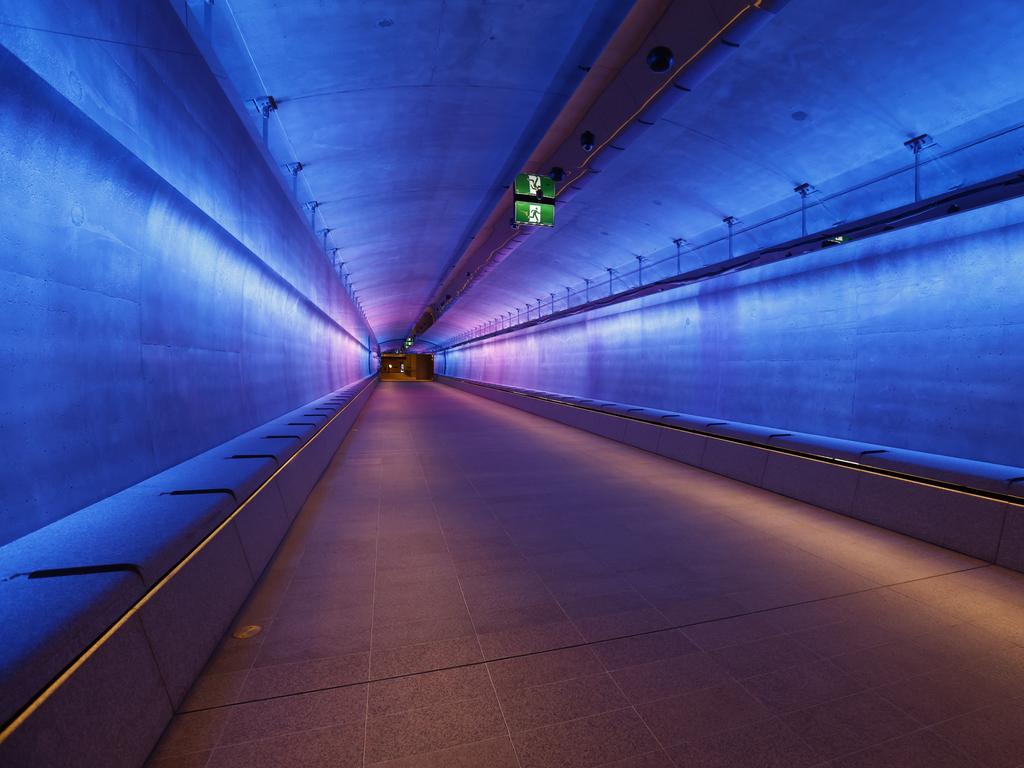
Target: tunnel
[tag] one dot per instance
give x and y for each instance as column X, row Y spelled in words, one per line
column 512, row 384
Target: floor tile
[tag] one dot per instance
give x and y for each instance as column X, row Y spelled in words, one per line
column 620, row 624
column 947, row 693
column 432, row 728
column 921, row 749
column 540, row 668
column 535, row 707
column 318, row 644
column 856, row 722
column 763, row 656
column 656, row 759
column 189, row 760
column 993, row 736
column 492, row 753
column 400, row 694
column 298, row 677
column 701, row 713
column 885, row 664
column 424, row 657
column 494, row 620
column 584, row 743
column 696, row 610
column 260, row 719
column 234, row 654
column 670, row 677
column 214, row 691
column 714, row 635
column 192, row 732
column 802, row 686
column 339, row 746
column 846, row 637
column 428, row 630
column 529, row 639
column 765, row 744
column 643, row 648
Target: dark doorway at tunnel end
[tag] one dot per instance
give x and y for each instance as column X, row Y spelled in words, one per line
column 406, row 367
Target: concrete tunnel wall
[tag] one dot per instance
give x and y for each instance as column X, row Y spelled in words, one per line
column 159, row 292
column 914, row 339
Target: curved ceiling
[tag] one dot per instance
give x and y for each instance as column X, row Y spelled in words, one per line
column 826, row 93
column 409, row 119
column 412, row 119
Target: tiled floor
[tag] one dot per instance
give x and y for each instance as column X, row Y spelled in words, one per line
column 470, row 585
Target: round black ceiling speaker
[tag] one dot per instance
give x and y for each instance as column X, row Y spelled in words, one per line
column 660, row 59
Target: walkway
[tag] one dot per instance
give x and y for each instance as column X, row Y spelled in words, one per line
column 470, row 585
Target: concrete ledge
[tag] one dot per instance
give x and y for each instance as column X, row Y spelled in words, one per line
column 829, row 486
column 214, row 470
column 735, row 460
column 971, row 474
column 162, row 527
column 642, row 435
column 964, row 523
column 261, row 525
column 606, row 425
column 861, row 480
column 186, row 619
column 111, row 709
column 48, row 621
column 682, row 446
column 820, row 445
column 748, row 432
column 109, row 712
column 1011, row 546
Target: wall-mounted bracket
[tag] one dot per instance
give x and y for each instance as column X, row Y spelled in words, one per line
column 311, row 206
column 804, row 190
column 730, row 222
column 295, row 169
column 324, row 233
column 917, row 145
column 265, row 105
column 678, row 241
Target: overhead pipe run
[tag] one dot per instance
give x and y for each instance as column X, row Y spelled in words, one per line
column 688, row 42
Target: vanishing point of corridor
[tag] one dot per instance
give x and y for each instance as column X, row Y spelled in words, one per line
column 470, row 585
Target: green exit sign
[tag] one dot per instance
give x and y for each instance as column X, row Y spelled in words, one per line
column 532, row 185
column 536, row 214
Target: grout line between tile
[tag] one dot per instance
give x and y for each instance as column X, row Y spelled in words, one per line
column 476, row 636
column 587, row 644
column 640, row 717
column 369, row 652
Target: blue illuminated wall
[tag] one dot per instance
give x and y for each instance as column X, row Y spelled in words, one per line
column 159, row 292
column 914, row 339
